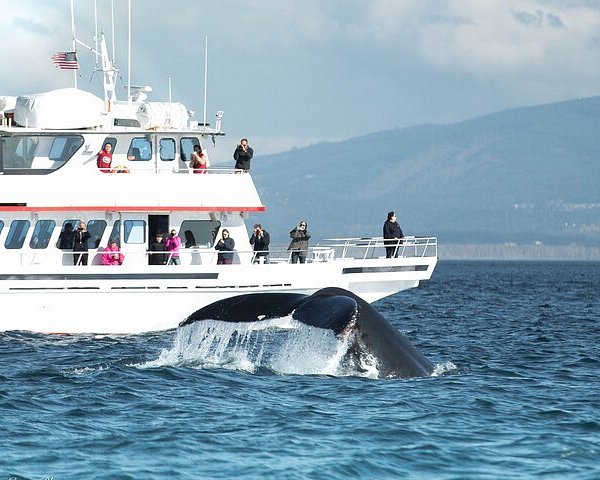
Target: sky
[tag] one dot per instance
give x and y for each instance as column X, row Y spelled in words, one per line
column 290, row 73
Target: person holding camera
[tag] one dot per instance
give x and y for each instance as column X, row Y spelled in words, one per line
column 225, row 247
column 242, row 155
column 260, row 240
column 299, row 243
column 80, row 244
column 173, row 243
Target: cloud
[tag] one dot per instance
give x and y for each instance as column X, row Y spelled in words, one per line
column 495, row 37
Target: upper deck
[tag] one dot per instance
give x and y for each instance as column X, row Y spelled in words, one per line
column 52, row 169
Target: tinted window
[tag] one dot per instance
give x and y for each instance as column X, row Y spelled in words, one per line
column 135, row 231
column 199, row 233
column 1, row 225
column 167, row 149
column 140, row 149
column 187, row 147
column 40, row 152
column 114, row 234
column 112, row 141
column 96, row 229
column 16, row 234
column 64, row 148
column 42, row 233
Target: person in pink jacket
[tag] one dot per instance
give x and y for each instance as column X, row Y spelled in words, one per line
column 112, row 255
column 173, row 243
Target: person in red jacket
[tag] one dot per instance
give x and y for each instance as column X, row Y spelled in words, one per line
column 104, row 159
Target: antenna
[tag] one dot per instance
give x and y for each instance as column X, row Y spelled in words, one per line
column 169, row 89
column 74, row 47
column 112, row 34
column 205, row 75
column 128, row 56
column 96, row 31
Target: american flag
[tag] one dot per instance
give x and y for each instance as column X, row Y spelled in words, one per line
column 65, row 60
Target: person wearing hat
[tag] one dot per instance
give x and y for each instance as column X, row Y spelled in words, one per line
column 392, row 235
column 157, row 253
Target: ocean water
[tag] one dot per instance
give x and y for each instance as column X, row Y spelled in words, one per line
column 515, row 395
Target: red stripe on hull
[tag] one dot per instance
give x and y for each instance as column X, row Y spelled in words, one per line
column 112, row 208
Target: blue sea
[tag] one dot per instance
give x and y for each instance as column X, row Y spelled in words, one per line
column 515, row 393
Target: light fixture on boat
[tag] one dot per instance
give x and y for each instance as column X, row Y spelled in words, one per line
column 219, row 116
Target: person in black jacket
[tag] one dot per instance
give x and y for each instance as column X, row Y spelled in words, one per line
column 225, row 247
column 80, row 244
column 260, row 240
column 392, row 233
column 157, row 254
column 299, row 243
column 242, row 155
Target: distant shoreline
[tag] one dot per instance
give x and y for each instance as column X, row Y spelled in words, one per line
column 517, row 252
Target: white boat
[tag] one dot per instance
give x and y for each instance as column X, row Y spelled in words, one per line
column 49, row 178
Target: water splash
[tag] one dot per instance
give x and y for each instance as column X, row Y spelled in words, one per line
column 281, row 346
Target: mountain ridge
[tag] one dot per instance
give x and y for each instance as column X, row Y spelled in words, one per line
column 518, row 175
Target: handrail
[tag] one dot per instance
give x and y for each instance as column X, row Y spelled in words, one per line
column 328, row 250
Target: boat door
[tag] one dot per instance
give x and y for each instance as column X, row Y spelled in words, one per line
column 157, row 223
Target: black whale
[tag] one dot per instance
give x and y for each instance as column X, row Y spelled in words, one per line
column 332, row 308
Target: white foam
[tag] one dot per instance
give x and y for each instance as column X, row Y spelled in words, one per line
column 282, row 345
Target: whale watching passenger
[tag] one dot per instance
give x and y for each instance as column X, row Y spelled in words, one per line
column 173, row 243
column 242, row 155
column 198, row 162
column 80, row 244
column 104, row 160
column 392, row 235
column 157, row 253
column 112, row 255
column 225, row 247
column 260, row 240
column 299, row 243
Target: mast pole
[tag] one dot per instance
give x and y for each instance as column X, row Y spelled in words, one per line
column 112, row 22
column 74, row 45
column 96, row 43
column 205, row 75
column 129, row 56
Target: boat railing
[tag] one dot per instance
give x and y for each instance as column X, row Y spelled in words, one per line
column 328, row 250
column 374, row 247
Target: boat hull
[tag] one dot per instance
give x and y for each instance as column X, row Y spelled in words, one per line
column 119, row 300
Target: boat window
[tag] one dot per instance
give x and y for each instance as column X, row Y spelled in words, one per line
column 73, row 224
column 140, row 149
column 41, row 234
column 167, row 149
column 187, row 147
column 199, row 233
column 37, row 154
column 1, row 225
column 112, row 141
column 16, row 234
column 96, row 229
column 135, row 231
column 126, row 122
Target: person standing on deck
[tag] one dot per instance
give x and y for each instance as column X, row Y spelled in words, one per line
column 299, row 243
column 80, row 244
column 392, row 235
column 225, row 247
column 260, row 240
column 242, row 155
column 104, row 160
column 173, row 243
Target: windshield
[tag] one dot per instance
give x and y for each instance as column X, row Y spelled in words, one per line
column 37, row 154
